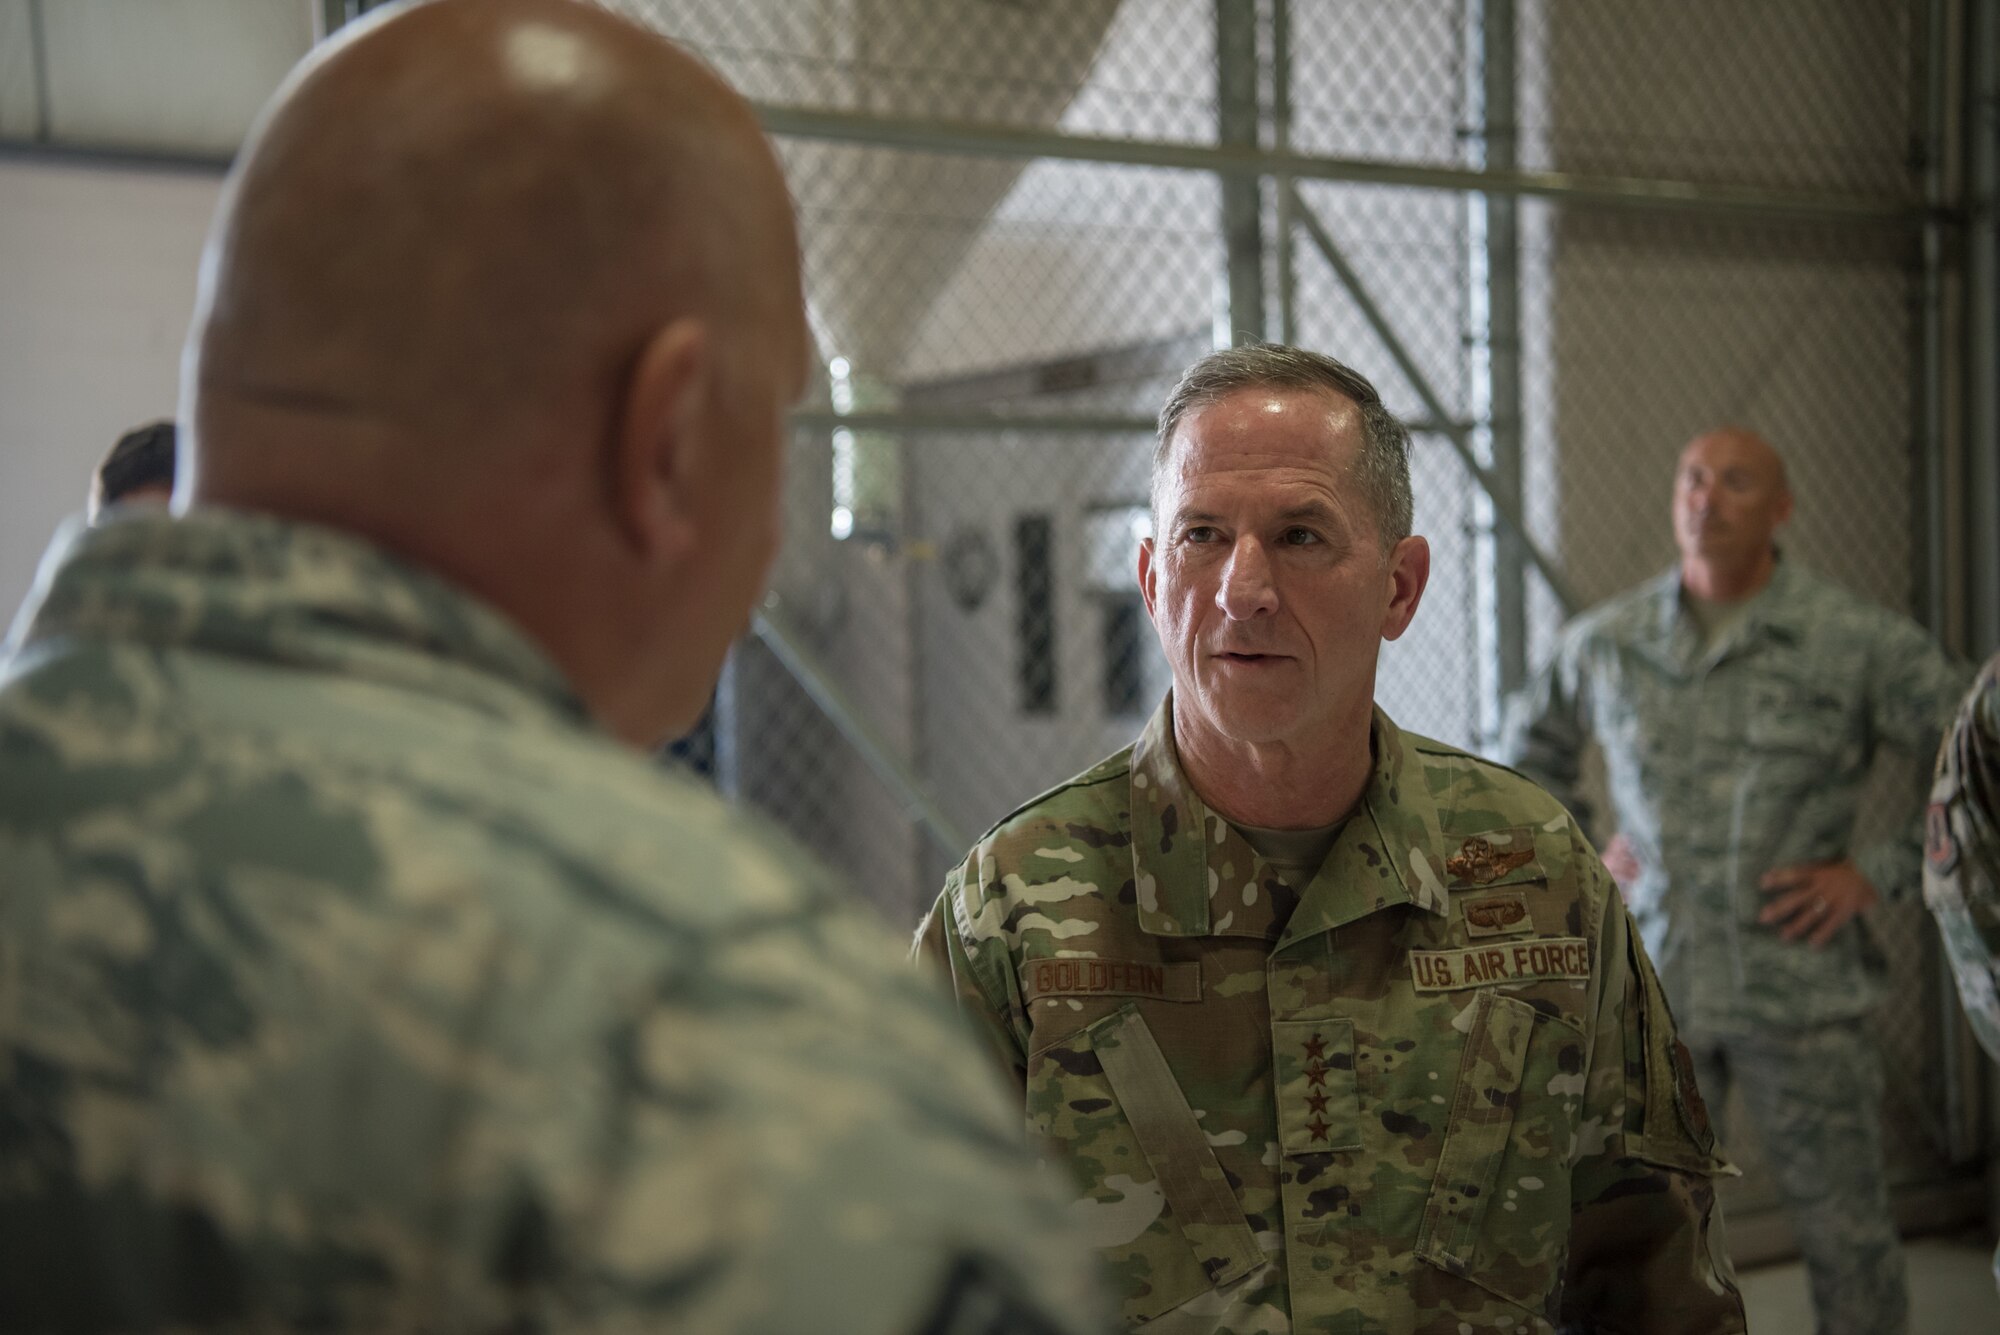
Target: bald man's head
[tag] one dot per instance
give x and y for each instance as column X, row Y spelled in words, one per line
column 511, row 286
column 459, row 215
column 1730, row 498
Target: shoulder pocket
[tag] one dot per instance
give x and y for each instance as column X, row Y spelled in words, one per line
column 1498, row 1212
column 1482, row 1116
column 1155, row 1201
column 1674, row 1126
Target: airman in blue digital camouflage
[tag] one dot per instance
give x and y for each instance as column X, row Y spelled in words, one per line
column 357, row 972
column 1739, row 701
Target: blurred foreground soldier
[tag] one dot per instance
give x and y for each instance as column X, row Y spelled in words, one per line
column 1962, row 858
column 1738, row 701
column 1339, row 1028
column 357, row 973
column 139, row 469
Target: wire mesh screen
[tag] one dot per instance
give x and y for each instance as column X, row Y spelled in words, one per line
column 954, row 625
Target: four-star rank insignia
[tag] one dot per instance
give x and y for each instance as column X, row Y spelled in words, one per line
column 1318, row 1103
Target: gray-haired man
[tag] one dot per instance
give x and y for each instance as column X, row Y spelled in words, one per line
column 1340, row 1028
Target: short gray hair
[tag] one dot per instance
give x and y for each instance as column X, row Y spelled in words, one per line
column 1383, row 468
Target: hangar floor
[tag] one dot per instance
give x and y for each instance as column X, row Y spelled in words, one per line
column 1951, row 1292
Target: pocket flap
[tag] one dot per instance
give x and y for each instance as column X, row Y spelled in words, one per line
column 1482, row 1117
column 1204, row 1204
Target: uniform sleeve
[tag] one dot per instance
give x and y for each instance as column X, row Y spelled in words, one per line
column 1962, row 855
column 1544, row 733
column 807, row 1143
column 979, row 976
column 1913, row 688
column 1647, row 1255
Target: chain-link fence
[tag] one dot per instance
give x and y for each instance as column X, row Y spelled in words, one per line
column 1022, row 219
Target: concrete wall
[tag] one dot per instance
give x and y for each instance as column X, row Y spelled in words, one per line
column 97, row 280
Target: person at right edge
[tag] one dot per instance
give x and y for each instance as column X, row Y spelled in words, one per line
column 1962, row 858
column 357, row 971
column 1739, row 702
column 1338, row 1029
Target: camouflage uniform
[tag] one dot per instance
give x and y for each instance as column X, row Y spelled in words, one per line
column 1724, row 762
column 1433, row 1090
column 1962, row 858
column 350, row 979
column 1962, row 854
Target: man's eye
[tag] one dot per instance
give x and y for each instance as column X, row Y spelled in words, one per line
column 1200, row 533
column 1300, row 537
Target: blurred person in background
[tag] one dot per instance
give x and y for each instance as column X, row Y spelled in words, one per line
column 1337, row 1027
column 1739, row 701
column 357, row 973
column 139, row 469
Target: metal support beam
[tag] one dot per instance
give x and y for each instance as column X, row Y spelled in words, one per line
column 1982, row 323
column 1281, row 140
column 1458, row 434
column 932, row 136
column 1934, row 595
column 1495, row 347
column 918, row 421
column 774, row 632
column 1239, row 315
column 934, row 422
column 976, row 138
column 38, row 56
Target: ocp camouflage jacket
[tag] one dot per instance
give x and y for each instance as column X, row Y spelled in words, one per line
column 1962, row 856
column 1444, row 1090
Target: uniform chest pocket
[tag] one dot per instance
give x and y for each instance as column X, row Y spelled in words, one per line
column 1498, row 1211
column 1797, row 719
column 1154, row 1200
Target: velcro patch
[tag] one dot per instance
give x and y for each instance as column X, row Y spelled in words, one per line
column 1496, row 855
column 1545, row 959
column 1083, row 977
column 1501, row 913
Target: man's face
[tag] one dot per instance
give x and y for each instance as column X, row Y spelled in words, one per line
column 1266, row 580
column 1729, row 498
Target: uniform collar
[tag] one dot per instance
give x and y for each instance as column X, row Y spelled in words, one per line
column 1184, row 855
column 1774, row 613
column 293, row 595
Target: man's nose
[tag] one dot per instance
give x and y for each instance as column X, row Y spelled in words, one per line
column 1247, row 588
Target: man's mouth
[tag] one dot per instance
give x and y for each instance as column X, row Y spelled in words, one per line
column 1235, row 656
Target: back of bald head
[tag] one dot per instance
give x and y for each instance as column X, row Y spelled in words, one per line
column 453, row 229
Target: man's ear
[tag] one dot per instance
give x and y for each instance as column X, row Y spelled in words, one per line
column 660, row 415
column 1409, row 570
column 1146, row 574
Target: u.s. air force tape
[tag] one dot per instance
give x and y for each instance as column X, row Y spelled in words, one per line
column 1083, row 976
column 1542, row 960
